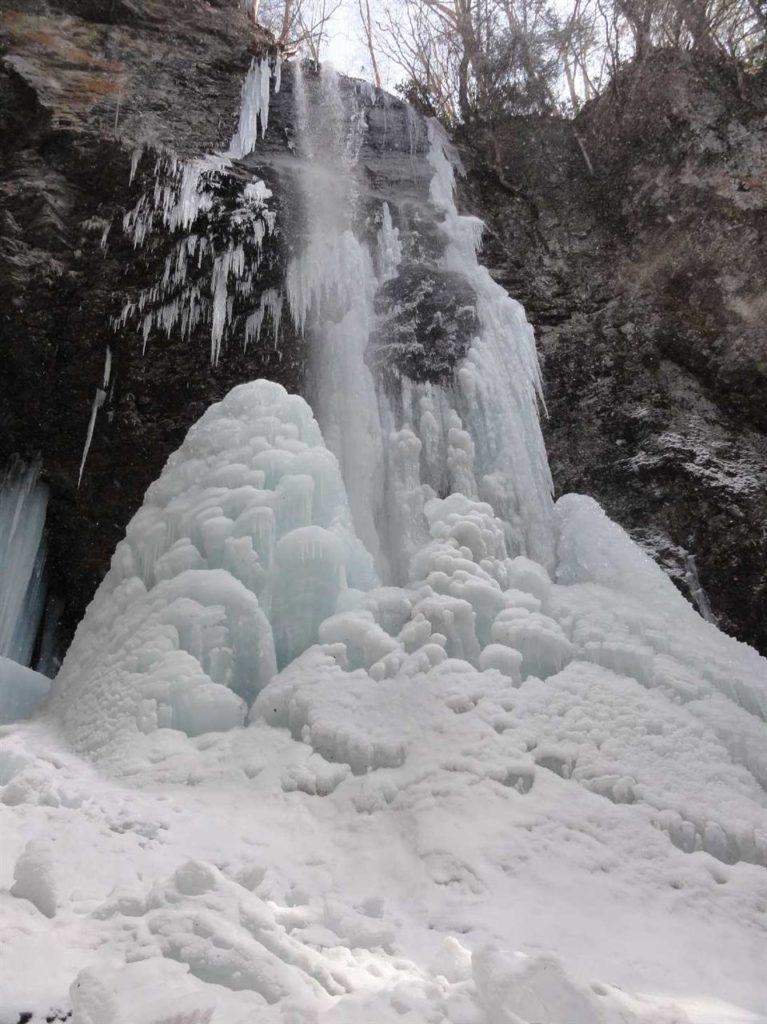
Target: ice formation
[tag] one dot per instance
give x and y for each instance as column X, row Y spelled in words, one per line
column 243, row 559
column 98, row 400
column 201, row 279
column 480, row 437
column 247, row 522
column 363, row 727
column 21, row 691
column 23, row 504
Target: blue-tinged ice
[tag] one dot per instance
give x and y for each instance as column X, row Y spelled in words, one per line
column 23, row 505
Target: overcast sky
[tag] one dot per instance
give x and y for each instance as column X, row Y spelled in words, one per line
column 346, row 51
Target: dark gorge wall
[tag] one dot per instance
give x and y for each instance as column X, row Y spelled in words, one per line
column 81, row 86
column 639, row 264
column 104, row 107
column 637, row 240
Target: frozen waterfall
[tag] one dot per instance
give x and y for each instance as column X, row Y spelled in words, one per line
column 424, row 534
column 377, row 730
column 400, row 446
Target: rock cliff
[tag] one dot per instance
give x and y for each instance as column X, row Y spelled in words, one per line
column 636, row 238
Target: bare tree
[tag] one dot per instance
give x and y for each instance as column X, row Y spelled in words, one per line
column 297, row 25
column 366, row 21
column 475, row 60
column 470, row 59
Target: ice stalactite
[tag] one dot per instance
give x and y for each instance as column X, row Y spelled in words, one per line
column 254, row 108
column 98, row 400
column 203, row 278
column 23, row 505
column 271, row 303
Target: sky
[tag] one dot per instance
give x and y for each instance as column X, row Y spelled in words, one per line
column 346, row 51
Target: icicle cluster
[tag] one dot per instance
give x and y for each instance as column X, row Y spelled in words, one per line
column 201, row 279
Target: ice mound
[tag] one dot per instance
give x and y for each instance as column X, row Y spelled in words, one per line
column 433, row 788
column 243, row 558
column 240, row 550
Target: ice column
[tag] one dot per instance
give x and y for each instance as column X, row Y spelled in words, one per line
column 330, row 289
column 23, row 503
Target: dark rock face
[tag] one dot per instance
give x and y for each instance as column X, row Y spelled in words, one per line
column 636, row 239
column 427, row 319
column 100, row 105
column 80, row 88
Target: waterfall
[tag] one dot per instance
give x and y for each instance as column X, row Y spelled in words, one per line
column 399, row 518
column 400, row 443
column 333, row 282
column 23, row 502
column 391, row 736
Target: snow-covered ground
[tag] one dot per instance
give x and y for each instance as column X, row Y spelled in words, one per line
column 486, row 797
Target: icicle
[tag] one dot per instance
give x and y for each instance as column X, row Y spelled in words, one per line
column 389, row 246
column 23, row 504
column 271, row 302
column 98, row 401
column 254, row 109
column 107, row 368
column 697, row 593
column 135, row 160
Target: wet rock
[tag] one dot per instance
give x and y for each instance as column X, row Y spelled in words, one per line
column 427, row 319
